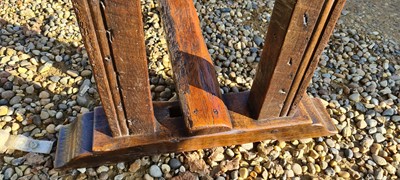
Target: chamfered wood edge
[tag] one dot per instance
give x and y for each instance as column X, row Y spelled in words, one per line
column 311, row 120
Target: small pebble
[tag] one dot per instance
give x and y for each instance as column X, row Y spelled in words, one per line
column 155, row 171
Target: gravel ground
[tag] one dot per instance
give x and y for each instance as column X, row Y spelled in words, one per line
column 46, row 81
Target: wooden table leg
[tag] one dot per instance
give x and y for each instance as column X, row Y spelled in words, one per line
column 294, row 29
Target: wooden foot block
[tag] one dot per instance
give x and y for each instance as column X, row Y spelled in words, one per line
column 97, row 145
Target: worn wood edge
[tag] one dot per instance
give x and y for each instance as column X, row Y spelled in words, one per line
column 75, row 139
column 99, row 24
column 123, row 20
column 301, row 26
column 313, row 121
column 212, row 115
column 312, row 46
column 85, row 24
column 277, row 30
column 327, row 32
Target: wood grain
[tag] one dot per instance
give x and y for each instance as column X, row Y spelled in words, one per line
column 274, row 39
column 104, row 86
column 322, row 42
column 310, row 120
column 126, row 37
column 282, row 54
column 323, row 19
column 200, row 97
column 108, row 61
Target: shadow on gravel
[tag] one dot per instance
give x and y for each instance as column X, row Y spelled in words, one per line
column 40, row 79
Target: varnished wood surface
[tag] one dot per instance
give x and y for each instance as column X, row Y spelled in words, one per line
column 311, row 120
column 196, row 81
column 278, row 65
column 95, row 139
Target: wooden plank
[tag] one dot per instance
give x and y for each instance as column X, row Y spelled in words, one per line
column 289, row 32
column 92, row 46
column 108, row 61
column 311, row 120
column 126, row 36
column 323, row 40
column 323, row 19
column 194, row 72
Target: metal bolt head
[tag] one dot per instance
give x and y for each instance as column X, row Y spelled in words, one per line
column 33, row 144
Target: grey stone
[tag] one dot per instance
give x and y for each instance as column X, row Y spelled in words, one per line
column 18, row 161
column 360, row 107
column 330, row 171
column 8, row 173
column 36, row 120
column 378, row 137
column 388, row 112
column 44, row 115
column 121, row 166
column 7, row 94
column 8, row 86
column 235, row 174
column 44, row 95
column 15, row 100
column 355, row 97
column 395, row 118
column 82, row 100
column 30, row 89
column 372, row 122
column 348, row 153
column 174, row 163
column 258, row 40
column 59, row 115
column 155, row 171
column 119, row 177
column 3, row 102
column 386, row 91
column 103, row 176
